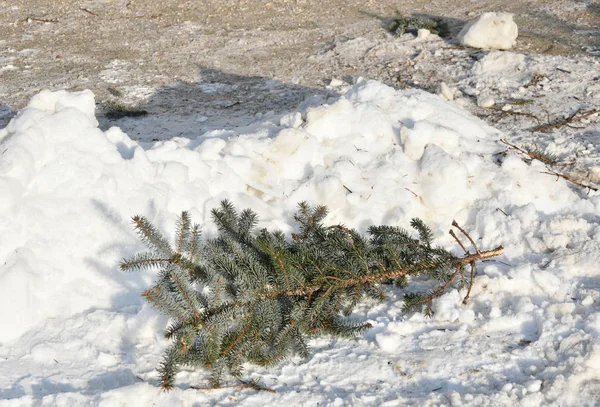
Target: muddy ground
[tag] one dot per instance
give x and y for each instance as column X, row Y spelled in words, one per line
column 270, row 55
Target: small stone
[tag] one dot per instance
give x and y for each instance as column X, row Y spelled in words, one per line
column 336, row 83
column 506, row 108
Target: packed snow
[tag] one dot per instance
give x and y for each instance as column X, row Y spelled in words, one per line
column 490, row 31
column 76, row 331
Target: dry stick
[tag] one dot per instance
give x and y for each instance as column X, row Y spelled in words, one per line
column 517, row 113
column 88, row 11
column 462, row 274
column 549, row 172
column 472, row 263
column 505, row 214
column 459, row 242
column 573, row 118
column 531, row 154
column 379, row 277
column 441, row 289
column 412, row 192
column 470, row 283
column 242, row 385
column 467, row 235
column 566, row 177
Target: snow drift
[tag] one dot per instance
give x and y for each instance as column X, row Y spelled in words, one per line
column 75, row 330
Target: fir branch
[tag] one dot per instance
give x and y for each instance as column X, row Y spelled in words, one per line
column 183, row 231
column 241, row 298
column 151, row 236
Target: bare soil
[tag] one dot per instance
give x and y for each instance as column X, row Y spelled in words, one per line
column 270, row 55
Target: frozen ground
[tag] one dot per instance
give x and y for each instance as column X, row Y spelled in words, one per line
column 75, row 330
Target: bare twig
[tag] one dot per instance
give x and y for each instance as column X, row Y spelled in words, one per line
column 243, row 385
column 459, row 242
column 470, row 283
column 571, row 180
column 412, row 192
column 535, row 79
column 526, row 114
column 505, row 214
column 534, row 155
column 467, row 236
column 347, row 189
column 572, row 118
column 88, row 11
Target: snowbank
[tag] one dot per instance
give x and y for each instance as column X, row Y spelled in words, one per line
column 75, row 330
column 490, row 31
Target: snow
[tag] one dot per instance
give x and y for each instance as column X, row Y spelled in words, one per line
column 76, row 332
column 490, row 31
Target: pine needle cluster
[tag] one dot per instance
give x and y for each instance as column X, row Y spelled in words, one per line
column 401, row 25
column 246, row 297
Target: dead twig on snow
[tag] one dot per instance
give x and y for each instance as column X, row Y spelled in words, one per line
column 533, row 154
column 516, row 113
column 571, row 180
column 572, row 118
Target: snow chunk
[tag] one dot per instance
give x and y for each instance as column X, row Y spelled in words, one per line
column 444, row 180
column 446, row 92
column 499, row 63
column 490, row 31
column 485, row 101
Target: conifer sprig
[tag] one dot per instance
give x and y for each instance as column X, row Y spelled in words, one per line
column 258, row 297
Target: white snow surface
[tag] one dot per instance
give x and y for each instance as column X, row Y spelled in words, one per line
column 75, row 330
column 490, row 31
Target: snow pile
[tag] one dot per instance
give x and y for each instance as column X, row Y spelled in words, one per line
column 78, row 332
column 490, row 31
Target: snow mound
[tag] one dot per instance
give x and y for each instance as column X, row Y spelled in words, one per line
column 79, row 334
column 490, row 31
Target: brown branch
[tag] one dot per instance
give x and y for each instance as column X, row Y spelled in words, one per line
column 459, row 242
column 242, row 385
column 88, row 11
column 526, row 114
column 534, row 155
column 573, row 118
column 379, row 277
column 569, row 179
column 470, row 283
column 412, row 192
column 441, row 289
column 467, row 235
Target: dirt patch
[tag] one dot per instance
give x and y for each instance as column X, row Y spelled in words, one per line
column 137, row 47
